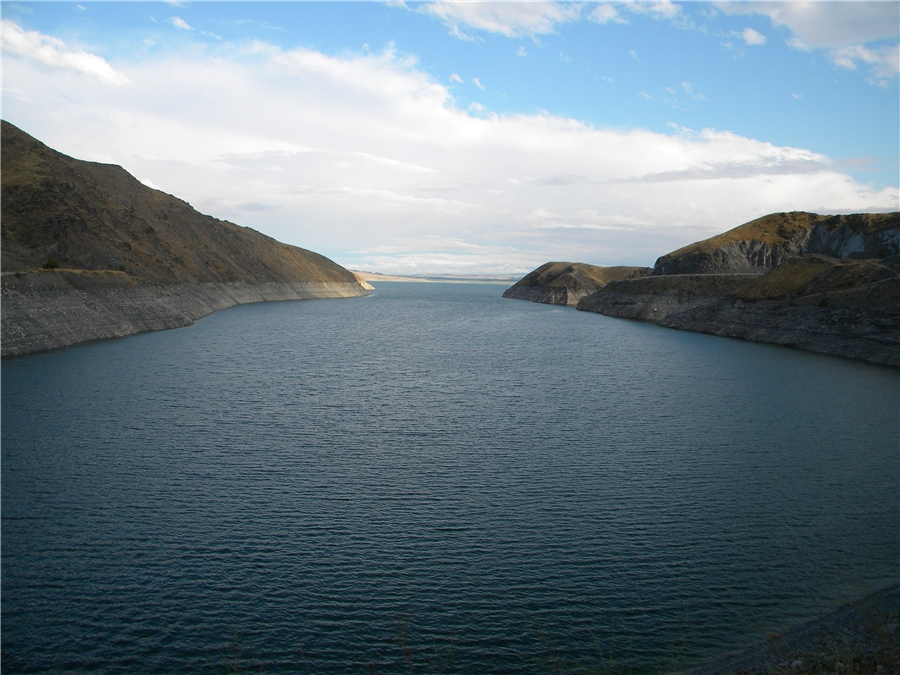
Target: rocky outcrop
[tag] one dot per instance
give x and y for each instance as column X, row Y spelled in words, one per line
column 828, row 284
column 130, row 258
column 820, row 304
column 565, row 283
column 763, row 244
column 655, row 298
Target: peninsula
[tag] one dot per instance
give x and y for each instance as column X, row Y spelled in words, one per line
column 89, row 252
column 565, row 283
column 828, row 284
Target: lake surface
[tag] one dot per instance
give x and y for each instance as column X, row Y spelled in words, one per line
column 518, row 483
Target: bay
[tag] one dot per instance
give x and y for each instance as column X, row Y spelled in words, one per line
column 508, row 483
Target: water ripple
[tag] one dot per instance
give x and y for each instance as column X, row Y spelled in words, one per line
column 318, row 477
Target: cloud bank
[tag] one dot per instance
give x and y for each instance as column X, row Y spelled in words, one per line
column 52, row 52
column 367, row 159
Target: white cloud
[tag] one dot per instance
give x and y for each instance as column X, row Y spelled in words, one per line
column 50, row 51
column 178, row 22
column 884, row 62
column 842, row 28
column 512, row 19
column 796, row 43
column 387, row 172
column 456, row 78
column 477, row 83
column 827, row 24
column 689, row 90
column 752, row 37
column 657, row 10
column 612, row 12
column 521, row 51
column 604, row 13
column 530, row 19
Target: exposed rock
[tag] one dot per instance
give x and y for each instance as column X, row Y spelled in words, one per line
column 845, row 308
column 765, row 243
column 827, row 284
column 362, row 282
column 49, row 310
column 565, row 283
column 131, row 258
column 655, row 298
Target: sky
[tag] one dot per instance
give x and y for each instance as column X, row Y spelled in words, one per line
column 472, row 137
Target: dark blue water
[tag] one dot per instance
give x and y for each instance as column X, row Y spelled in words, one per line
column 516, row 483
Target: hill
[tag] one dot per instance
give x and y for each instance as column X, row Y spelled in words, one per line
column 565, row 283
column 89, row 252
column 96, row 216
column 828, row 284
column 765, row 243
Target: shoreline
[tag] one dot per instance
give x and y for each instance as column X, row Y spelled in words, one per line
column 866, row 629
column 43, row 312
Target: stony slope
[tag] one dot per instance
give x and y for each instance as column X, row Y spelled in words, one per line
column 828, row 284
column 765, row 243
column 126, row 247
column 565, row 283
column 846, row 308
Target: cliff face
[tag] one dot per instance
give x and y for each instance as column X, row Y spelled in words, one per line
column 828, row 284
column 130, row 258
column 845, row 308
column 765, row 243
column 565, row 283
column 49, row 310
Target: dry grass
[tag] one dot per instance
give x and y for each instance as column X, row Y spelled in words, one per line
column 579, row 276
column 778, row 229
column 823, row 281
column 97, row 216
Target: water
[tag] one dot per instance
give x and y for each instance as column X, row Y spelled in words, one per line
column 514, row 482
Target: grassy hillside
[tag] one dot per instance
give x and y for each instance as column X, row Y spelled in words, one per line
column 85, row 215
column 780, row 229
column 828, row 282
column 579, row 275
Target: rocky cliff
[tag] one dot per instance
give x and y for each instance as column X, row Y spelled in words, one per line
column 565, row 283
column 765, row 243
column 820, row 304
column 828, row 284
column 88, row 252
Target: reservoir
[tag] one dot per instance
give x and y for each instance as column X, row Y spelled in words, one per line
column 492, row 482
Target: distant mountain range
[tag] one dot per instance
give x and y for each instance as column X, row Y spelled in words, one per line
column 828, row 284
column 89, row 252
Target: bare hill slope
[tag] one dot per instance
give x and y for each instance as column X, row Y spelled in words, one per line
column 125, row 258
column 98, row 216
column 565, row 283
column 828, row 284
column 766, row 242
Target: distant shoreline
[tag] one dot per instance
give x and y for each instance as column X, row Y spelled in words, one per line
column 506, row 279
